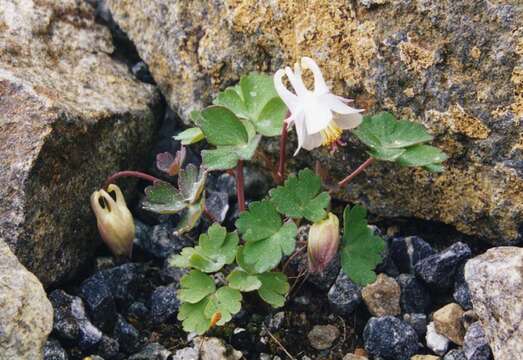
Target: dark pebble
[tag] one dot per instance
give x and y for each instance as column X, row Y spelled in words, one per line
column 108, row 348
column 418, row 322
column 163, row 304
column 257, row 183
column 390, row 338
column 476, row 346
column 152, row 351
column 407, row 251
column 344, row 296
column 70, row 321
column 414, row 296
column 99, row 301
column 217, row 205
column 127, row 336
column 455, row 355
column 439, row 270
column 171, row 274
column 226, row 183
column 461, row 290
column 54, row 351
column 138, row 310
column 125, row 281
column 162, row 241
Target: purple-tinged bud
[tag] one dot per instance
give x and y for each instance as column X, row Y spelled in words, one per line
column 323, row 242
column 115, row 221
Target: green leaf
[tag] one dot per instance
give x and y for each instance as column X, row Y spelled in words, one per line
column 216, row 248
column 435, row 168
column 219, row 159
column 181, row 260
column 195, row 286
column 193, row 317
column 232, row 101
column 361, row 249
column 222, row 127
column 257, row 90
column 190, row 217
column 163, row 198
column 266, row 254
column 270, row 120
column 226, row 301
column 300, row 197
column 243, row 281
column 274, row 288
column 190, row 136
column 386, row 154
column 259, row 222
column 191, row 182
column 421, row 155
column 240, row 260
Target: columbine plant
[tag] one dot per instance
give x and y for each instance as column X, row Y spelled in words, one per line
column 251, row 255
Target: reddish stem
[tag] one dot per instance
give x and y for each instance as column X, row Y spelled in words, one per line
column 136, row 174
column 356, row 172
column 239, row 186
column 281, row 164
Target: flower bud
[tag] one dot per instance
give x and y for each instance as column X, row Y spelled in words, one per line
column 324, row 239
column 115, row 221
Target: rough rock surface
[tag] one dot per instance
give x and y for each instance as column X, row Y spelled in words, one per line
column 26, row 316
column 382, row 297
column 70, row 115
column 495, row 280
column 455, row 66
column 448, row 322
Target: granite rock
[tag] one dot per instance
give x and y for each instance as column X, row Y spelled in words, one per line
column 436, row 342
column 476, row 346
column 390, row 338
column 71, row 115
column 495, row 280
column 448, row 322
column 382, row 297
column 322, row 337
column 414, row 297
column 344, row 296
column 26, row 315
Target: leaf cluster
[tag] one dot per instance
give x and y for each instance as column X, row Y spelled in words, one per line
column 400, row 141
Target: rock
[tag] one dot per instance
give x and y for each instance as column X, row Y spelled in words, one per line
column 171, row 274
column 138, row 310
column 26, row 316
column 257, row 183
column 127, row 336
column 99, row 301
column 163, row 304
column 212, row 348
column 407, row 251
column 402, row 66
column 469, row 317
column 425, row 357
column 54, row 351
column 390, row 338
column 107, row 347
column 187, row 353
column 476, row 346
column 153, row 351
column 226, row 183
column 141, row 72
column 455, row 355
column 495, row 280
column 382, row 297
column 322, row 337
column 439, row 269
column 418, row 322
column 124, row 281
column 415, row 298
column 162, row 241
column 275, row 321
column 344, row 296
column 438, row 343
column 461, row 292
column 71, row 322
column 217, row 205
column 75, row 115
column 447, row 322
column 354, row 357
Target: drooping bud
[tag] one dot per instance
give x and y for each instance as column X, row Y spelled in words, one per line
column 115, row 221
column 323, row 242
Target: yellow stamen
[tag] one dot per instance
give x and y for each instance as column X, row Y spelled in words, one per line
column 330, row 134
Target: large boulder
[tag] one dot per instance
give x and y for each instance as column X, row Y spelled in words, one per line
column 455, row 66
column 26, row 315
column 69, row 116
column 495, row 280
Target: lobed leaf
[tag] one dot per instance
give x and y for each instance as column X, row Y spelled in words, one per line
column 193, row 317
column 222, row 127
column 190, row 136
column 361, row 249
column 243, row 281
column 163, row 198
column 195, row 286
column 226, row 301
column 261, row 221
column 274, row 288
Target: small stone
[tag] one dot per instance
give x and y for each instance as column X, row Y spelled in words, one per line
column 163, row 304
column 217, row 205
column 107, row 348
column 138, row 310
column 418, row 322
column 407, row 251
column 475, row 345
column 70, row 320
column 103, row 262
column 187, row 353
column 54, row 351
column 171, row 274
column 447, row 321
column 99, row 301
column 344, row 295
column 325, row 279
column 322, row 337
column 276, row 321
column 414, row 298
column 163, row 242
column 152, row 351
column 390, row 338
column 382, row 297
column 124, row 281
column 461, row 292
column 226, row 183
column 127, row 336
column 354, row 357
column 425, row 357
column 257, row 183
column 93, row 357
column 439, row 270
column 438, row 343
column 212, row 348
column 469, row 318
column 455, row 354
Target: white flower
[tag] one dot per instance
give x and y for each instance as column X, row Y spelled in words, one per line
column 318, row 115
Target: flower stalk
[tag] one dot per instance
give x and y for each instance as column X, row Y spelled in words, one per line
column 283, row 156
column 128, row 173
column 240, row 193
column 356, row 172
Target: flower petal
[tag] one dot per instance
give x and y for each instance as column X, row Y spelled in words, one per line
column 317, row 115
column 348, row 121
column 296, row 81
column 335, row 104
column 301, row 132
column 290, row 99
column 320, row 87
column 312, row 141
